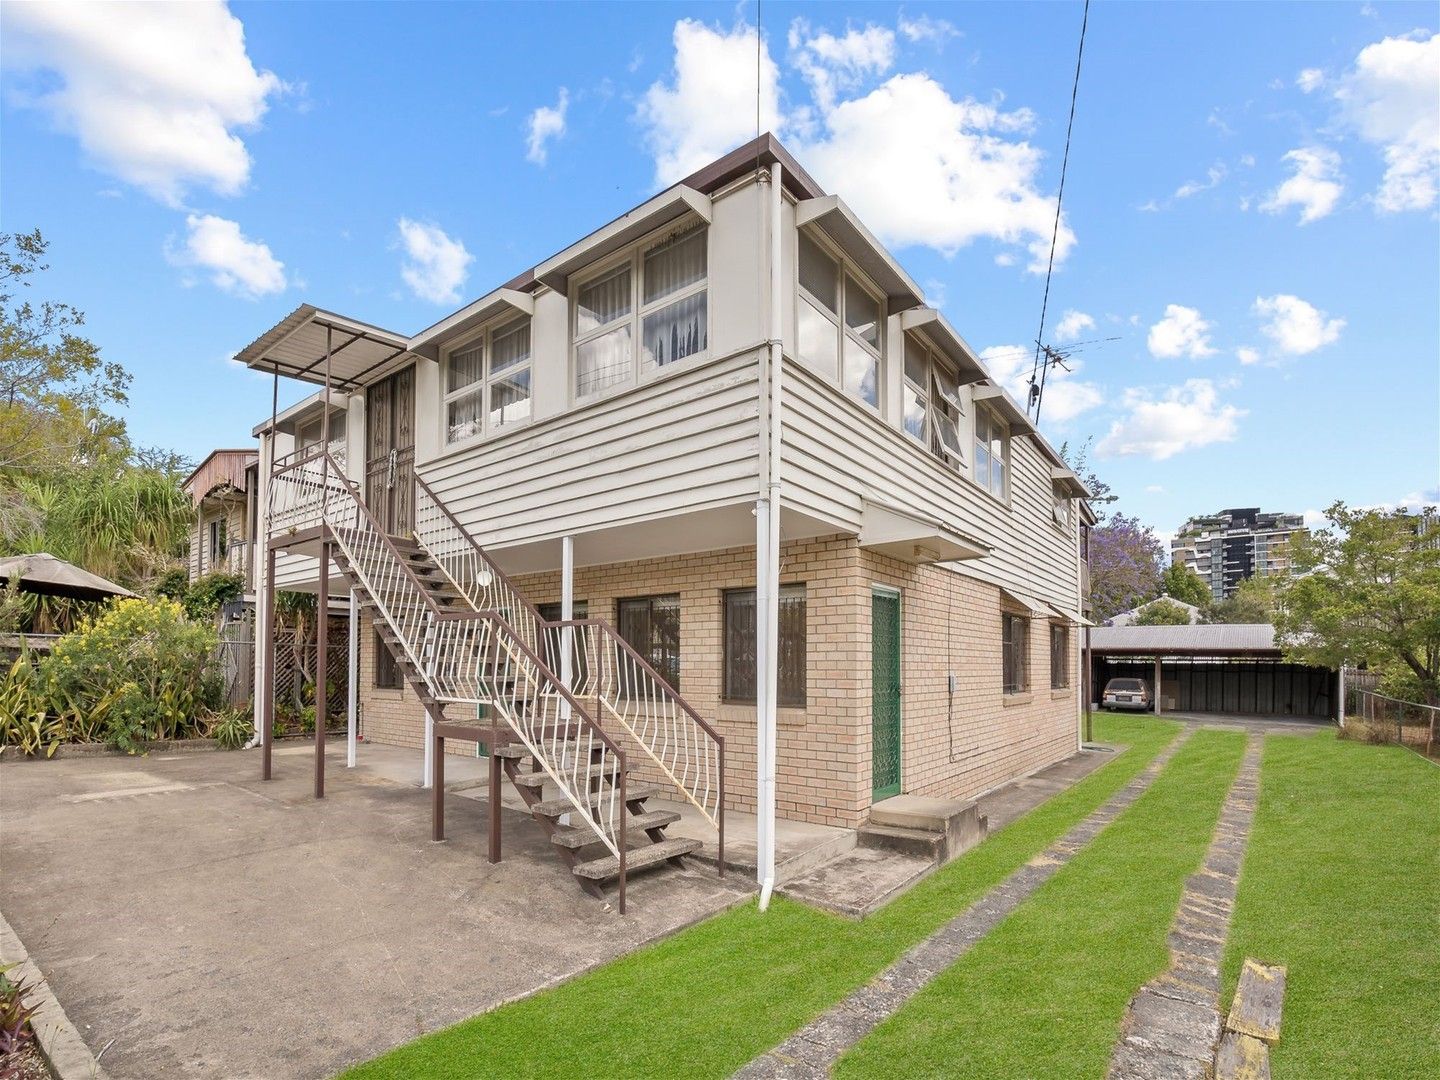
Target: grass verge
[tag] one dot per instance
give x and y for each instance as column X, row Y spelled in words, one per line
column 1342, row 885
column 1043, row 995
column 706, row 1001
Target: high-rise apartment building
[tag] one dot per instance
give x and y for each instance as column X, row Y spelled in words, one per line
column 1228, row 547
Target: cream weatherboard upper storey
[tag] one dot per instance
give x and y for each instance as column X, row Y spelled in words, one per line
column 613, row 394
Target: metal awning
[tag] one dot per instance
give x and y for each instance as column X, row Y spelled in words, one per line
column 296, row 346
column 914, row 539
column 1037, row 608
column 492, row 305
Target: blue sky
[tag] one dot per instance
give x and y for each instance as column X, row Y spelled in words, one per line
column 1251, row 207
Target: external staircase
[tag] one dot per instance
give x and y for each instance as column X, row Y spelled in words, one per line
column 564, row 708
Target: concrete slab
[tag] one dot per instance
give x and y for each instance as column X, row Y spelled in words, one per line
column 799, row 845
column 199, row 922
column 859, row 883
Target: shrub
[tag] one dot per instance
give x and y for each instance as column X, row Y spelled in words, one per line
column 15, row 1031
column 231, row 728
column 143, row 664
column 25, row 721
column 205, row 596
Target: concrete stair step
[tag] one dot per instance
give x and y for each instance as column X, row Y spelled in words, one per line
column 639, row 859
column 556, row 807
column 607, row 771
column 567, row 837
column 921, row 843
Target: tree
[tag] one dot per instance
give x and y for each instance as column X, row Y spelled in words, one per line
column 1183, row 584
column 1163, row 612
column 1252, row 602
column 1125, row 561
column 1367, row 590
column 1079, row 461
column 54, row 387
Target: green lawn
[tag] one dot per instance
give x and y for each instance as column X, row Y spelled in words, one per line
column 706, row 1001
column 1342, row 886
column 1044, row 993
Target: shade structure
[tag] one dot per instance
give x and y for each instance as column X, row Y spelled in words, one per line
column 49, row 576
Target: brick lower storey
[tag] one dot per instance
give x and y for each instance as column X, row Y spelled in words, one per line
column 952, row 745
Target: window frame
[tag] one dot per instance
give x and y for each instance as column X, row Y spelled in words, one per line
column 936, row 404
column 1001, row 431
column 648, row 652
column 783, row 699
column 845, row 272
column 484, row 339
column 633, row 258
column 1059, row 673
column 1008, row 653
column 385, row 662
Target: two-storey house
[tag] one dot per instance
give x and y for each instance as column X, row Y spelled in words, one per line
column 714, row 480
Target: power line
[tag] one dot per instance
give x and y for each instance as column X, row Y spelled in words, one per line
column 1036, row 392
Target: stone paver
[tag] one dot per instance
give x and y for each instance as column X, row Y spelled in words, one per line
column 812, row 1050
column 1172, row 1026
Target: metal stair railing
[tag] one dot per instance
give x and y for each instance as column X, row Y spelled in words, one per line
column 470, row 657
column 602, row 665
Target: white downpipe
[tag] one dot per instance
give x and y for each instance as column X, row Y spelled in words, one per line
column 767, row 560
column 352, row 702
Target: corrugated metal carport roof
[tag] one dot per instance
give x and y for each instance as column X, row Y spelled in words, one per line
column 1224, row 639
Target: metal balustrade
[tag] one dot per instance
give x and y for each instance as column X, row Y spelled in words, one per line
column 594, row 662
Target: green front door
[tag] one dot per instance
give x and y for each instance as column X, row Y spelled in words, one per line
column 885, row 693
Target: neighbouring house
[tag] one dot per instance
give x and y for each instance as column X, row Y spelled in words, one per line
column 223, row 489
column 714, row 480
column 1127, row 618
column 1228, row 547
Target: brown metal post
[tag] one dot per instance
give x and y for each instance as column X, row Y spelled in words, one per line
column 267, row 657
column 322, row 666
column 494, row 802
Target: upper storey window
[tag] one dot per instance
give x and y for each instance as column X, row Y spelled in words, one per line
column 658, row 297
column 932, row 408
column 839, row 323
column 487, row 382
column 992, row 452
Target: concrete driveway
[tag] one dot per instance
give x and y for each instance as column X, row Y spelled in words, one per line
column 194, row 921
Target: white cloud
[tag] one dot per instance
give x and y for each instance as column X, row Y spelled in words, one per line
column 1181, row 418
column 1072, row 324
column 924, row 28
column 1314, row 187
column 1247, row 355
column 1066, row 396
column 1182, row 332
column 153, row 92
column 919, row 166
column 1295, row 326
column 235, row 263
column 546, row 123
column 830, row 64
column 435, row 265
column 709, row 106
column 1213, row 176
column 1154, row 489
column 1309, row 80
column 1391, row 98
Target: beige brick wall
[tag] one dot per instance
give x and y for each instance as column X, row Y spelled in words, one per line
column 953, row 749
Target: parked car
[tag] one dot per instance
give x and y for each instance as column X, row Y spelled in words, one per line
column 1126, row 694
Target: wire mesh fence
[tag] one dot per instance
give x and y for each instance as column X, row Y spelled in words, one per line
column 1380, row 718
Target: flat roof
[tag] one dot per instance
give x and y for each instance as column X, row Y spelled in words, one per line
column 1220, row 639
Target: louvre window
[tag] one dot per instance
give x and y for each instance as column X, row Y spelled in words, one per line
column 487, row 383
column 1059, row 656
column 838, row 320
column 739, row 644
column 1015, row 645
column 659, row 295
column 931, row 408
column 651, row 626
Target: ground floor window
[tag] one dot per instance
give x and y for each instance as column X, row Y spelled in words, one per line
column 387, row 672
column 1059, row 656
column 739, row 646
column 1015, row 634
column 552, row 640
column 651, row 626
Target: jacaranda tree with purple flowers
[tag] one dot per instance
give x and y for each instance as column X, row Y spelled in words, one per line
column 1126, row 561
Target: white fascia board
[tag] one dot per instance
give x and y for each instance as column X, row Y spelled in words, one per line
column 665, row 207
column 830, row 213
column 947, row 341
column 486, row 308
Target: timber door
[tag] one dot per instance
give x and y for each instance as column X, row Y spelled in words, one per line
column 390, row 452
column 884, row 693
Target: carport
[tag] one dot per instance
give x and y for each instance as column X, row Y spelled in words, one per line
column 1227, row 668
